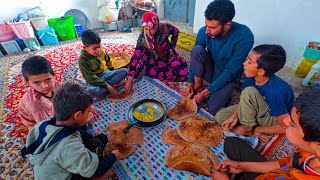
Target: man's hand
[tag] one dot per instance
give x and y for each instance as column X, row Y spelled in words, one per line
column 218, row 175
column 232, row 166
column 128, row 85
column 229, row 123
column 113, row 91
column 201, row 95
column 188, row 90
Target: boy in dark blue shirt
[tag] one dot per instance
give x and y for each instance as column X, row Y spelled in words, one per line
column 220, row 49
column 265, row 100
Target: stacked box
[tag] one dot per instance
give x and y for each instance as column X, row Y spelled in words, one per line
column 110, row 26
column 11, row 47
column 48, row 36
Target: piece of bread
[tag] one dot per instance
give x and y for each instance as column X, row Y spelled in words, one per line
column 184, row 108
column 123, row 96
column 126, row 149
column 200, row 130
column 191, row 157
column 170, row 136
column 191, row 164
column 117, row 136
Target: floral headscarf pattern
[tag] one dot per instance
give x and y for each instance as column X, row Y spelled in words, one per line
column 150, row 19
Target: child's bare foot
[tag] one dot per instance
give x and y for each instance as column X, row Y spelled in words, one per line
column 121, row 83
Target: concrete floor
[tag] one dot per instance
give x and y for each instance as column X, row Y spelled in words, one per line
column 286, row 73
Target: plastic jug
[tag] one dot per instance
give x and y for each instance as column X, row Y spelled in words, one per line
column 314, row 69
column 304, row 67
column 311, row 56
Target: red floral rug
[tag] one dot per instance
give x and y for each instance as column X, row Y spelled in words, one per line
column 63, row 59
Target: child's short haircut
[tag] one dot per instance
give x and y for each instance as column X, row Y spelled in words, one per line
column 308, row 110
column 90, row 37
column 272, row 58
column 70, row 98
column 35, row 65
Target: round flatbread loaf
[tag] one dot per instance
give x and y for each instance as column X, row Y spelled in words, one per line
column 123, row 96
column 117, row 136
column 200, row 130
column 170, row 136
column 184, row 108
column 191, row 157
column 125, row 149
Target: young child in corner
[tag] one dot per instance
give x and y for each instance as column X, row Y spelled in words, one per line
column 303, row 128
column 97, row 69
column 265, row 100
column 59, row 150
column 36, row 104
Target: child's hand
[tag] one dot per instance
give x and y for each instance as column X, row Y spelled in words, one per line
column 128, row 85
column 229, row 123
column 118, row 154
column 218, row 175
column 232, row 166
column 113, row 91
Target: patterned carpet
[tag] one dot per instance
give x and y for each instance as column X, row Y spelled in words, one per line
column 63, row 58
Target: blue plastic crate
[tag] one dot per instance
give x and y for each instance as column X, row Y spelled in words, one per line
column 48, row 36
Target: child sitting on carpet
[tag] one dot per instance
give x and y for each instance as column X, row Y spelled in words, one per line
column 265, row 100
column 58, row 148
column 36, row 104
column 97, row 69
column 302, row 130
column 155, row 56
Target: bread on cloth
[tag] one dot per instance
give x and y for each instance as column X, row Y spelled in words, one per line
column 123, row 96
column 184, row 108
column 117, row 136
column 170, row 136
column 200, row 130
column 192, row 158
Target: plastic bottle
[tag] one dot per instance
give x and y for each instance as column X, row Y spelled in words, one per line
column 314, row 69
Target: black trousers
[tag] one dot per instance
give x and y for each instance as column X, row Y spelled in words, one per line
column 94, row 144
column 238, row 150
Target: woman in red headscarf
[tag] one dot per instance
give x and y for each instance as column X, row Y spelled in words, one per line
column 155, row 56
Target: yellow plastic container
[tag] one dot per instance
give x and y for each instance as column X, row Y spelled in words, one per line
column 304, row 67
column 311, row 56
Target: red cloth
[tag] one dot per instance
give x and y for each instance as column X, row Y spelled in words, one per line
column 151, row 19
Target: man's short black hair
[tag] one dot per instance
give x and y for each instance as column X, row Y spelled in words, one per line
column 90, row 37
column 35, row 65
column 220, row 10
column 308, row 109
column 272, row 58
column 69, row 99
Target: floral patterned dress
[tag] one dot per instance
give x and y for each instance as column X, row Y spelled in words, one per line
column 160, row 60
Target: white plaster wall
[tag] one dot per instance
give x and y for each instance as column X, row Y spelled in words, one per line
column 291, row 23
column 57, row 8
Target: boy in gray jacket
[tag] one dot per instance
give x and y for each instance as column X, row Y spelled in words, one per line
column 59, row 149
